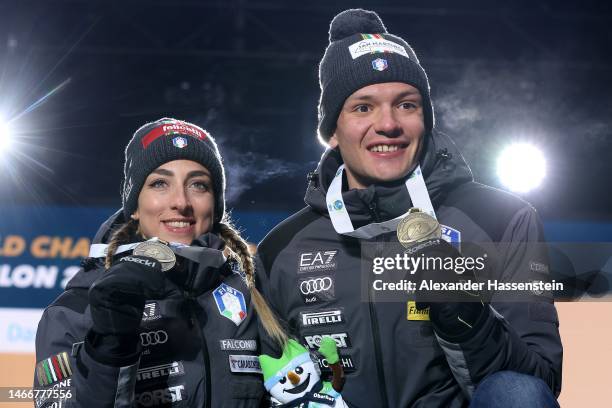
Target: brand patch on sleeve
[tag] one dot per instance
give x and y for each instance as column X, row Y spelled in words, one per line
column 231, row 303
column 53, row 369
column 416, row 314
column 244, row 364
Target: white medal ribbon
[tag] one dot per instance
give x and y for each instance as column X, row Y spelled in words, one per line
column 417, row 190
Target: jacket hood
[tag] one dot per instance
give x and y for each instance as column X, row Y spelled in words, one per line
column 443, row 169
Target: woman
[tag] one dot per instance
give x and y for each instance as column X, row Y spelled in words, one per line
column 160, row 314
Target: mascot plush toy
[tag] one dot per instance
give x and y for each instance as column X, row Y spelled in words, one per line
column 293, row 381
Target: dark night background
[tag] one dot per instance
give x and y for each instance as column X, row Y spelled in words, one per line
column 247, row 72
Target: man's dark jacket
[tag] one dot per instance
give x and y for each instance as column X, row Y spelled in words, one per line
column 390, row 360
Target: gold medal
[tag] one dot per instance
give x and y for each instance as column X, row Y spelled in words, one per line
column 158, row 251
column 417, row 226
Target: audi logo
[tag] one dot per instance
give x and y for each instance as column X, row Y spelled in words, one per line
column 316, row 285
column 153, row 338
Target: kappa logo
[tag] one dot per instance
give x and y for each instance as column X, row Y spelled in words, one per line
column 244, row 364
column 153, row 338
column 162, row 396
column 238, row 345
column 347, row 364
column 314, row 341
column 317, row 261
column 161, row 371
column 318, row 289
column 151, row 312
column 322, row 318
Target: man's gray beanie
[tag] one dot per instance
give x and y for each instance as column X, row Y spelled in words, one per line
column 360, row 53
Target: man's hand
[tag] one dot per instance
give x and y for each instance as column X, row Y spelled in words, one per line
column 453, row 313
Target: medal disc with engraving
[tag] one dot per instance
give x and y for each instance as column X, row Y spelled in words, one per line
column 162, row 253
column 417, row 226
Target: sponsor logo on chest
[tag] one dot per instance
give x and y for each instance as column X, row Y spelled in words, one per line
column 317, row 261
column 322, row 318
column 151, row 312
column 238, row 344
column 317, row 289
column 314, row 341
column 347, row 364
column 161, row 371
column 162, row 396
column 244, row 364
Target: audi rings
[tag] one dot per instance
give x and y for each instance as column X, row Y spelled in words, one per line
column 153, row 338
column 316, row 285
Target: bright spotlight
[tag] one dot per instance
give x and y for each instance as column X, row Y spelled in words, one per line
column 5, row 137
column 521, row 167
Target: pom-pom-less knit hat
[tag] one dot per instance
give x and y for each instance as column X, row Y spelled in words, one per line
column 360, row 53
column 163, row 141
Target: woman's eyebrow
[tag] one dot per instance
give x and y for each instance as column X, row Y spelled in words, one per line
column 198, row 173
column 163, row 172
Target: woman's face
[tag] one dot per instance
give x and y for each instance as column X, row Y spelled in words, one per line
column 176, row 202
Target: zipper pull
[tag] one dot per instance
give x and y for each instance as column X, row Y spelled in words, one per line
column 374, row 211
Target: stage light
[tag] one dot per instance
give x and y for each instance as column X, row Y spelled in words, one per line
column 5, row 137
column 521, row 167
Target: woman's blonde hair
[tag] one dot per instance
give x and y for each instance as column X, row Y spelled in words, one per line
column 236, row 248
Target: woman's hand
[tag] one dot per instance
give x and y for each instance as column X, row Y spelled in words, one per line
column 117, row 299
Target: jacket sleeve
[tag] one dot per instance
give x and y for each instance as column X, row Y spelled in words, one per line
column 520, row 335
column 65, row 362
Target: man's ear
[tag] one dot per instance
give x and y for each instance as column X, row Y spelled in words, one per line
column 135, row 216
column 333, row 141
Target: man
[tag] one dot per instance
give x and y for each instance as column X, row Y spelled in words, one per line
column 384, row 157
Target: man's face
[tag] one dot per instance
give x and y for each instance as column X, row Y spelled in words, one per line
column 379, row 132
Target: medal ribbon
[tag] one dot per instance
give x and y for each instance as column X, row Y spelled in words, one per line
column 417, row 190
column 193, row 253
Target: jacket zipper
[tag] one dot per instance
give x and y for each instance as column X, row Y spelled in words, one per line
column 375, row 327
column 194, row 322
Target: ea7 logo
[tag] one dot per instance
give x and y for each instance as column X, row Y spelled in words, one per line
column 317, row 261
column 151, row 312
column 314, row 341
